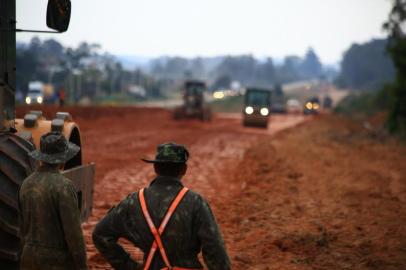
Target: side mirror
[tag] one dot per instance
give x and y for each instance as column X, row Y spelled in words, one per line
column 58, row 14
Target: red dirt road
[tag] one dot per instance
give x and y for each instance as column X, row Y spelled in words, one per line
column 319, row 196
column 116, row 138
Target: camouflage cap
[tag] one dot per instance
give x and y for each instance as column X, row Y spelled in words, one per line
column 55, row 149
column 170, row 153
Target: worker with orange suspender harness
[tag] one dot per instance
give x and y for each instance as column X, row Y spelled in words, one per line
column 168, row 222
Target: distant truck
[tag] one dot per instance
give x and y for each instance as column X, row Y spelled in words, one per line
column 257, row 107
column 312, row 106
column 194, row 103
column 39, row 93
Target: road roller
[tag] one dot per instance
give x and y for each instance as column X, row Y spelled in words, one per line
column 257, row 107
column 18, row 137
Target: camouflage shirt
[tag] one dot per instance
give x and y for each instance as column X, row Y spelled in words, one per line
column 50, row 230
column 191, row 229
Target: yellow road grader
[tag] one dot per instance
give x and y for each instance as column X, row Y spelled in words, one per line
column 20, row 136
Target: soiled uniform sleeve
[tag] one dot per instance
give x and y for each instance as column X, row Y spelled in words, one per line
column 213, row 248
column 107, row 233
column 70, row 218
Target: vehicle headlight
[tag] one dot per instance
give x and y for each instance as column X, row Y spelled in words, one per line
column 249, row 110
column 316, row 106
column 264, row 111
column 309, row 105
column 28, row 100
column 40, row 99
column 218, row 95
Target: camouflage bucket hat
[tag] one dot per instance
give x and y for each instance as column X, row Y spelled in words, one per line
column 55, row 149
column 170, row 153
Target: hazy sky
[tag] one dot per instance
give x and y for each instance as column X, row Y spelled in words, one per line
column 215, row 27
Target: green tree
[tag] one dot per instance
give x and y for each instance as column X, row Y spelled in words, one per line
column 311, row 66
column 396, row 26
column 366, row 66
column 223, row 81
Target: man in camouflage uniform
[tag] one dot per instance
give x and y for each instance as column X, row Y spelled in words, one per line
column 191, row 228
column 50, row 229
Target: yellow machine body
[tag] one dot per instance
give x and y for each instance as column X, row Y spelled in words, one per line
column 34, row 125
column 42, row 127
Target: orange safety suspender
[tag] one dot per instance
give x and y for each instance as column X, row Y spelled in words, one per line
column 157, row 233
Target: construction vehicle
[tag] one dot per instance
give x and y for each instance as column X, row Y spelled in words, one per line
column 257, row 107
column 312, row 106
column 194, row 103
column 20, row 136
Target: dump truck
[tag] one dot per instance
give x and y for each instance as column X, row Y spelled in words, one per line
column 194, row 103
column 18, row 137
column 257, row 107
column 312, row 106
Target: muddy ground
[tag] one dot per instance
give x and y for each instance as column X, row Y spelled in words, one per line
column 308, row 193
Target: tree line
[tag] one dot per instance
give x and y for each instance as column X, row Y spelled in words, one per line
column 83, row 71
column 86, row 71
column 246, row 69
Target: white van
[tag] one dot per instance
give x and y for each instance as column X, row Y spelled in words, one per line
column 35, row 93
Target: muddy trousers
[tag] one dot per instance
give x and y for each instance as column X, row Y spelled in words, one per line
column 41, row 258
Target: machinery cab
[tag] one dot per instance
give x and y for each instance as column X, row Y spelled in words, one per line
column 193, row 95
column 312, row 106
column 194, row 105
column 257, row 107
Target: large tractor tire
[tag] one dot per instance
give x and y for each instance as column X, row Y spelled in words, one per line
column 15, row 166
column 207, row 115
column 178, row 113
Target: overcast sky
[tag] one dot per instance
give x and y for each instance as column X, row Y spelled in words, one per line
column 215, row 27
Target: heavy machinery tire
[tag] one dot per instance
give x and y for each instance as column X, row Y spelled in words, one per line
column 15, row 166
column 178, row 113
column 205, row 115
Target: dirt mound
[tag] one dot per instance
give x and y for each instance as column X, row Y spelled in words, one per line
column 326, row 195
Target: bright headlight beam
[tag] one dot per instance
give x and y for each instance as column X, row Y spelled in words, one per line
column 249, row 110
column 40, row 99
column 28, row 100
column 264, row 111
column 218, row 95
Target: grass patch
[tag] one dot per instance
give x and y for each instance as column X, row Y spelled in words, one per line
column 228, row 104
column 365, row 103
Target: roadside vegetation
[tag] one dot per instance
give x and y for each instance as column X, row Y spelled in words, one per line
column 391, row 99
column 365, row 103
